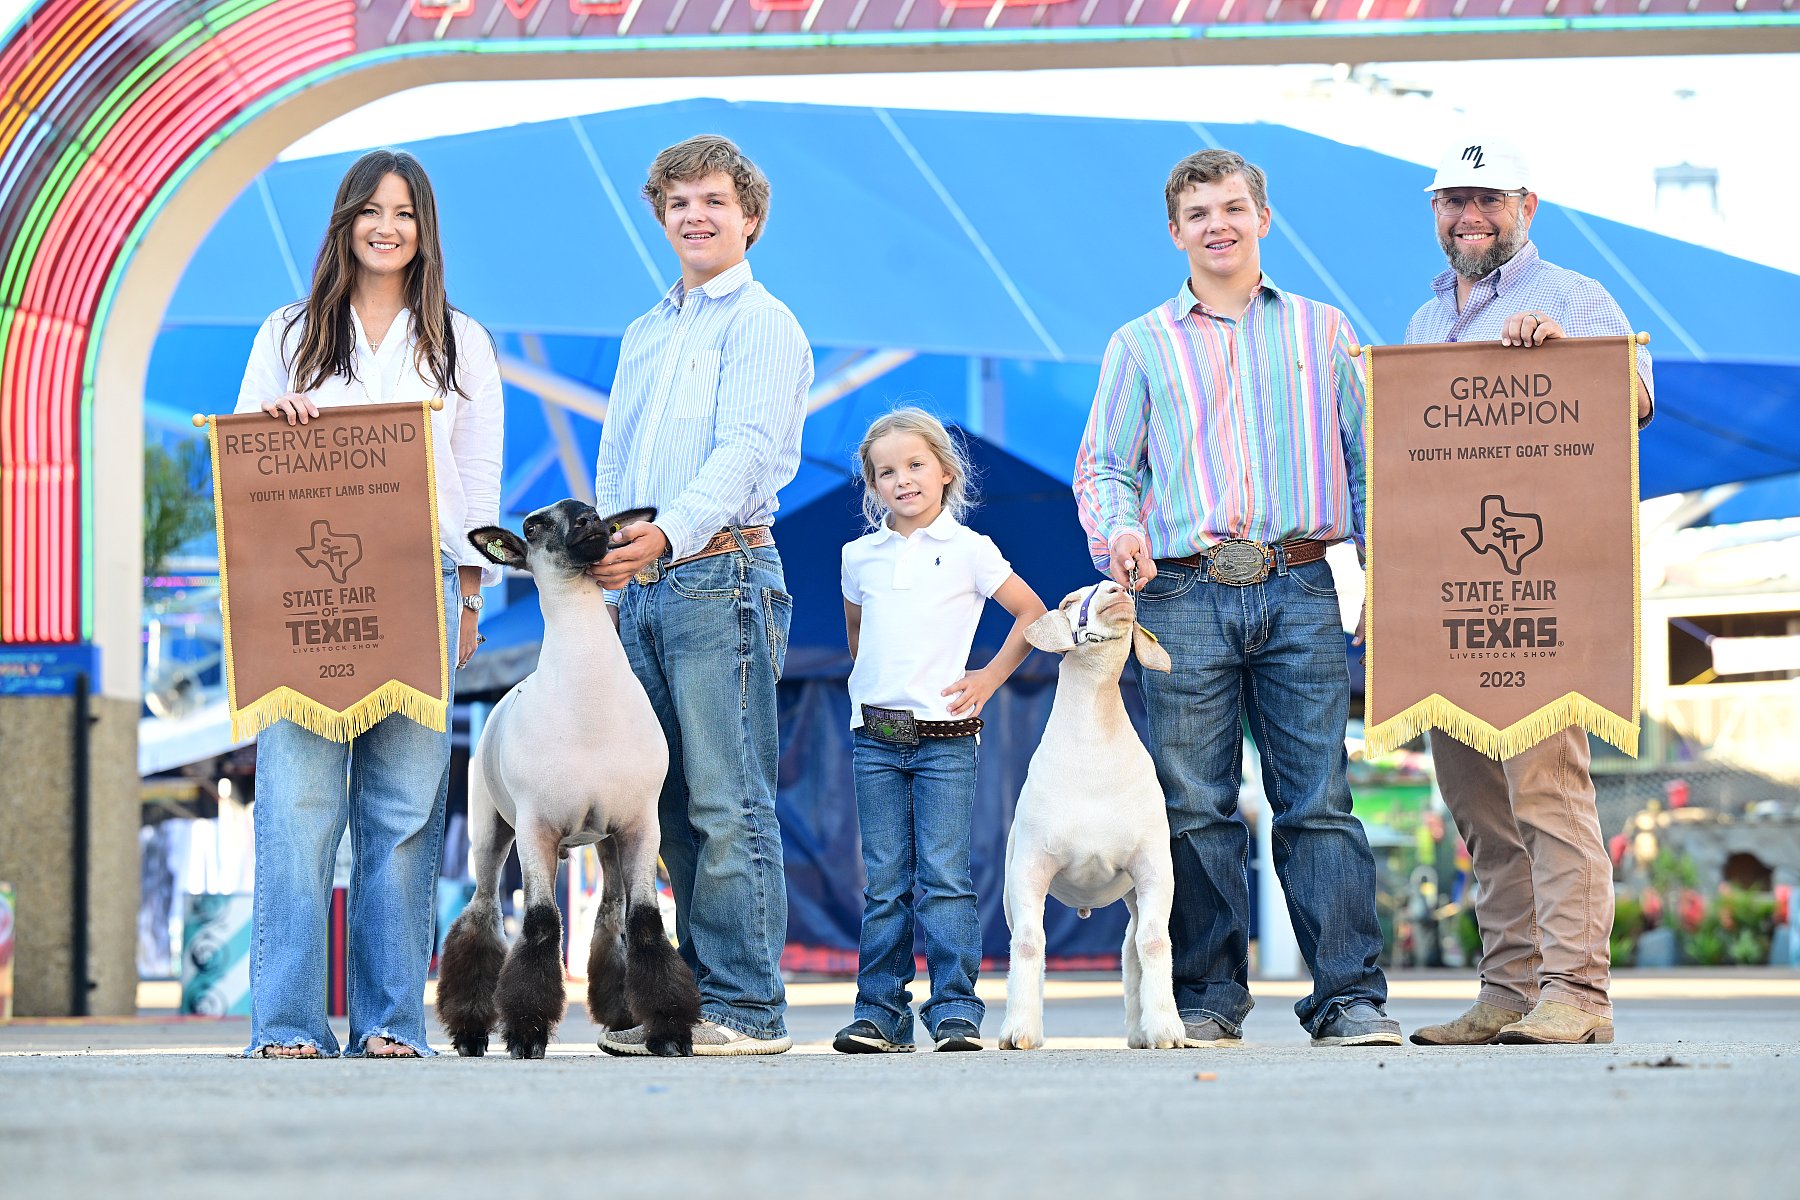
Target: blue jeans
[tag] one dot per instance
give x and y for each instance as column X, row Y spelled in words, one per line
column 389, row 784
column 914, row 804
column 1273, row 651
column 708, row 641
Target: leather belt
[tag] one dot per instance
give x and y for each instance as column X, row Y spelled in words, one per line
column 898, row 727
column 753, row 537
column 1241, row 562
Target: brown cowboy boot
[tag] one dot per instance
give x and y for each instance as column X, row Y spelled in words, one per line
column 1477, row 1027
column 1554, row 1024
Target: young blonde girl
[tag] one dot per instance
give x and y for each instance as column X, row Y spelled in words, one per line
column 914, row 588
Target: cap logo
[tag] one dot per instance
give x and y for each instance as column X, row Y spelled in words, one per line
column 1472, row 155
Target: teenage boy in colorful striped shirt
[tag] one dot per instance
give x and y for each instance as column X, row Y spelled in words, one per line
column 1223, row 455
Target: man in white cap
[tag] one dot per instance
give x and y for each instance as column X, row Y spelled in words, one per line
column 1544, row 899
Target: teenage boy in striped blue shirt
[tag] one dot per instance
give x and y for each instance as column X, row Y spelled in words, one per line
column 704, row 425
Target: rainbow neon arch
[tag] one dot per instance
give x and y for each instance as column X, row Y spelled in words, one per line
column 105, row 103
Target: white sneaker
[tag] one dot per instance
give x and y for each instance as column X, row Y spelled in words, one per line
column 713, row 1038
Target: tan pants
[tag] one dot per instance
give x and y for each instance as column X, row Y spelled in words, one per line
column 1544, row 896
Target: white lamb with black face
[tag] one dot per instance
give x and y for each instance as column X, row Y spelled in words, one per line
column 571, row 756
column 1091, row 826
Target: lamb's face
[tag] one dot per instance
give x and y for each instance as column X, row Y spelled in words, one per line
column 1101, row 613
column 565, row 538
column 560, row 542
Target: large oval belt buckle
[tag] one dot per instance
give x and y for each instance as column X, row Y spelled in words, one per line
column 1239, row 562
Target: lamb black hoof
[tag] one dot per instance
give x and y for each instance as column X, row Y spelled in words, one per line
column 471, row 1047
column 670, row 1047
column 526, row 1049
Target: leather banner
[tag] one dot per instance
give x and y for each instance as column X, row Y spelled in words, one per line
column 329, row 571
column 1503, row 543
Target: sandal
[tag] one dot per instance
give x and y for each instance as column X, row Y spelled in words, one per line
column 301, row 1050
column 394, row 1048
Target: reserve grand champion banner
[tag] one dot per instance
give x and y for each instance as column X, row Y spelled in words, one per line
column 328, row 565
column 1502, row 524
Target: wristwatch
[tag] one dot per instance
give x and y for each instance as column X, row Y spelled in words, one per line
column 472, row 603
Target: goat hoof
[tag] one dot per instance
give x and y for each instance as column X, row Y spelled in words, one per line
column 471, row 1047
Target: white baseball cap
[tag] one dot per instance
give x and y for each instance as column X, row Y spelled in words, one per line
column 1492, row 164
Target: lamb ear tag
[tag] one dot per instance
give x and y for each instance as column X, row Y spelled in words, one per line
column 1156, row 640
column 496, row 548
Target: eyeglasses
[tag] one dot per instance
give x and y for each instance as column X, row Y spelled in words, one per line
column 1486, row 203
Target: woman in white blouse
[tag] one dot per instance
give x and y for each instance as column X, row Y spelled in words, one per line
column 376, row 328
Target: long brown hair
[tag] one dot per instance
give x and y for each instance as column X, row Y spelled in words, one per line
column 327, row 340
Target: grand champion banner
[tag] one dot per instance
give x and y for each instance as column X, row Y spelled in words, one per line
column 328, row 565
column 1503, row 543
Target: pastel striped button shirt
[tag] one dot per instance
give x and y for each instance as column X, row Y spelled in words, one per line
column 1206, row 428
column 704, row 418
column 1521, row 284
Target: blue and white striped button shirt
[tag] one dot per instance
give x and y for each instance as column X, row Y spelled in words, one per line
column 704, row 418
column 1522, row 284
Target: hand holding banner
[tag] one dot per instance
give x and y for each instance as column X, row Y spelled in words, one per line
column 329, row 569
column 1503, row 551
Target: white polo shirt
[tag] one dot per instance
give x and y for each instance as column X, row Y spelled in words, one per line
column 921, row 599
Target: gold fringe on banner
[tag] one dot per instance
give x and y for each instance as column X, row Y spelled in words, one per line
column 285, row 704
column 1435, row 712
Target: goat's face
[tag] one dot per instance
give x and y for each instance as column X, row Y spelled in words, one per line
column 561, row 541
column 1095, row 617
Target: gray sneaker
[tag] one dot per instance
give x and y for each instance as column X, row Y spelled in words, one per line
column 1208, row 1033
column 1358, row 1024
column 709, row 1039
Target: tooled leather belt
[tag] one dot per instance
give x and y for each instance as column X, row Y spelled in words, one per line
column 899, row 727
column 723, row 542
column 1241, row 562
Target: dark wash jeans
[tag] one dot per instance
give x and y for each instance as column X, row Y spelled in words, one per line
column 914, row 805
column 1273, row 651
column 708, row 641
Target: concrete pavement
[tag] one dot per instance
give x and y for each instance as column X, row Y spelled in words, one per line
column 1700, row 1097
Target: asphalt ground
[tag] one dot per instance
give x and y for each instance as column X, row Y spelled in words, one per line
column 1700, row 1097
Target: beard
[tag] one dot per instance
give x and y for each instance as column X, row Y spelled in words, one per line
column 1481, row 263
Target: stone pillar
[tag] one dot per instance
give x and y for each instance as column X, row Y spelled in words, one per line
column 37, row 778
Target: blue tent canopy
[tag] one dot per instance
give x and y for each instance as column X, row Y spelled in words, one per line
column 1019, row 240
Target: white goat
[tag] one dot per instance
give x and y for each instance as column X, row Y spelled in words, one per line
column 1091, row 827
